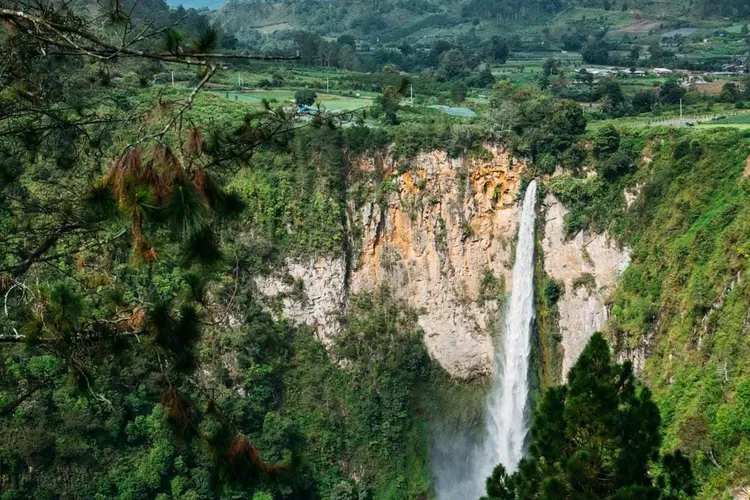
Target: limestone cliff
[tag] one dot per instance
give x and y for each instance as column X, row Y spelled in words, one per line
column 449, row 224
column 446, row 226
column 310, row 292
column 588, row 265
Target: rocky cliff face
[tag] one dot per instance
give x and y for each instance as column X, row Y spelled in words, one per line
column 443, row 233
column 310, row 292
column 588, row 265
column 450, row 223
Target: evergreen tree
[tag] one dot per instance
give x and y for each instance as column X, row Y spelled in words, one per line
column 118, row 234
column 453, row 64
column 671, row 92
column 606, row 142
column 550, row 67
column 389, row 101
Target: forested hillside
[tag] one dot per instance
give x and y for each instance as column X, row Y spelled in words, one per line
column 682, row 305
column 395, row 20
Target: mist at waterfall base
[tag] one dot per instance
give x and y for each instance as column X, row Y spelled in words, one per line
column 463, row 458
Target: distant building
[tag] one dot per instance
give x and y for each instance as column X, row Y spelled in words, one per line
column 637, row 73
column 601, row 72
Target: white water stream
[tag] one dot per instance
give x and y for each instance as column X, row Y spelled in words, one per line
column 507, row 415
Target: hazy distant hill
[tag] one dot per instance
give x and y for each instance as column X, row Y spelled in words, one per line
column 270, row 24
column 377, row 20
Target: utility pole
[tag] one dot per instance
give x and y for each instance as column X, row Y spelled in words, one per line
column 680, row 109
column 412, row 94
column 173, row 78
column 326, row 85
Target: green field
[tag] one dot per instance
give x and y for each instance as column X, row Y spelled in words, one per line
column 739, row 126
column 735, row 28
column 286, row 97
column 741, row 119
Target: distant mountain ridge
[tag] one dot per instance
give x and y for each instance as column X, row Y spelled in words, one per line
column 384, row 21
column 374, row 20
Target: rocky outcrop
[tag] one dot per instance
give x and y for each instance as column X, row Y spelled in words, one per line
column 588, row 265
column 742, row 493
column 446, row 225
column 449, row 224
column 311, row 292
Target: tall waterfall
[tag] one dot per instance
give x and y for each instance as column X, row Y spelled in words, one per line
column 506, row 414
column 507, row 420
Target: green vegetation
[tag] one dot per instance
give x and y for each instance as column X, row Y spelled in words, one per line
column 585, row 281
column 279, row 386
column 368, row 413
column 493, row 287
column 697, row 196
column 138, row 359
column 548, row 355
column 680, row 299
column 743, row 119
column 305, row 97
column 295, row 195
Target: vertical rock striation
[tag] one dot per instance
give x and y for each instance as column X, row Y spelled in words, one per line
column 450, row 223
column 588, row 265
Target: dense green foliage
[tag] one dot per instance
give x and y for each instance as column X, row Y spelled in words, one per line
column 138, row 360
column 305, row 97
column 371, row 412
column 685, row 295
column 296, row 193
column 314, row 423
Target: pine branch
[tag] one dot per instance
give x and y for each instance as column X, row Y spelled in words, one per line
column 65, row 36
column 185, row 106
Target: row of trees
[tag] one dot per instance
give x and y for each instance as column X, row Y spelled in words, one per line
column 452, row 61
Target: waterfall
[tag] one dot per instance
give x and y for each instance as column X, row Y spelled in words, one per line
column 507, row 404
column 507, row 419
